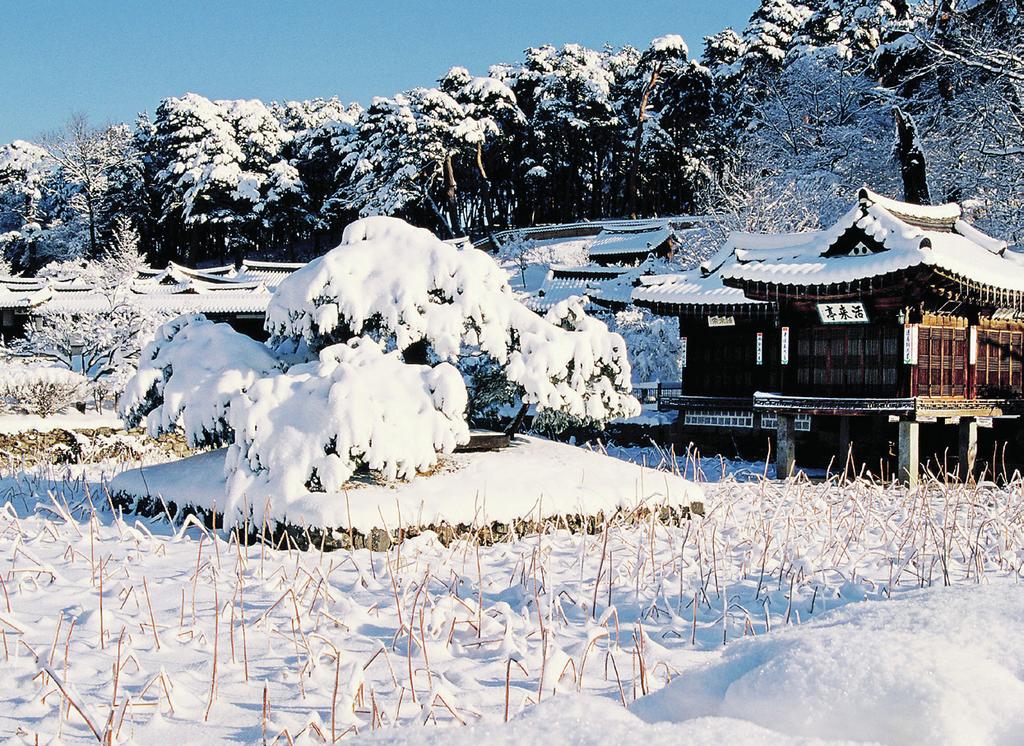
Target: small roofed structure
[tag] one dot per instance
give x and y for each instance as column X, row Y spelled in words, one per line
column 239, row 296
column 895, row 310
column 632, row 245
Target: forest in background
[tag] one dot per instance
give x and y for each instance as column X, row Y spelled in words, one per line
column 771, row 128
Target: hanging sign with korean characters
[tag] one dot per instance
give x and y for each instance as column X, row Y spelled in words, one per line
column 910, row 344
column 842, row 313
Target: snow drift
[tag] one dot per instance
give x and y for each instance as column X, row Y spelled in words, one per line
column 941, row 666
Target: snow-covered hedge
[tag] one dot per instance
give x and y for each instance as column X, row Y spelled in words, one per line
column 309, row 429
column 37, row 388
column 188, row 376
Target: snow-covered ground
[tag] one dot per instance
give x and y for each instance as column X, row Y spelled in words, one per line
column 831, row 601
column 71, row 420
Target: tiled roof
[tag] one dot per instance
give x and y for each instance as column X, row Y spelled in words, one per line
column 174, row 288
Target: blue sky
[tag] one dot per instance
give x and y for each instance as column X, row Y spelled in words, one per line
column 112, row 59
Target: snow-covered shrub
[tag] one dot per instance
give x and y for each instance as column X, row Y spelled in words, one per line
column 40, row 389
column 653, row 344
column 403, row 286
column 188, row 376
column 310, row 429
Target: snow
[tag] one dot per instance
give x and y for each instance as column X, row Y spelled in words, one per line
column 940, row 666
column 73, row 420
column 584, row 720
column 528, row 261
column 370, row 409
column 670, row 43
column 815, row 589
column 688, row 463
column 551, row 479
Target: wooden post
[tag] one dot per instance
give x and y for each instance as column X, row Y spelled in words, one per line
column 909, row 463
column 785, row 445
column 844, row 445
column 968, row 453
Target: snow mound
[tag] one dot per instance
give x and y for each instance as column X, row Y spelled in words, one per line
column 941, row 666
column 218, row 362
column 533, row 478
column 308, row 430
column 586, row 721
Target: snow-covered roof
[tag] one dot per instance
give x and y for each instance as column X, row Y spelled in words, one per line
column 877, row 236
column 269, row 273
column 632, row 243
column 692, row 288
column 174, row 289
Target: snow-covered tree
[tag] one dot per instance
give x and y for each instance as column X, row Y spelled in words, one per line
column 653, row 344
column 88, row 158
column 396, row 322
column 669, row 51
column 222, row 170
column 322, row 132
column 769, row 35
column 848, row 28
column 721, row 51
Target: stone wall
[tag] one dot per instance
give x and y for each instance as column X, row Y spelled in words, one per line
column 34, row 447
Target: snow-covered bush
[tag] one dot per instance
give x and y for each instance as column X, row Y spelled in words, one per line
column 398, row 323
column 407, row 289
column 40, row 389
column 653, row 344
column 309, row 429
column 188, row 376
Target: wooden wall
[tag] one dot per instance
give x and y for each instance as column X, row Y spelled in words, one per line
column 858, row 360
column 942, row 361
column 1000, row 353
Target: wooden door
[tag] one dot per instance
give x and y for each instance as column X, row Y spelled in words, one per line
column 941, row 369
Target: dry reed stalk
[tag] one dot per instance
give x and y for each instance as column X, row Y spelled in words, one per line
column 216, row 643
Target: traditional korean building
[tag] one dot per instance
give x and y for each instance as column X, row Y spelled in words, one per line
column 625, row 246
column 896, row 312
column 238, row 296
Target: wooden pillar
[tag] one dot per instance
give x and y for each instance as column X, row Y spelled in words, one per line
column 968, row 452
column 844, row 445
column 785, row 445
column 909, row 458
